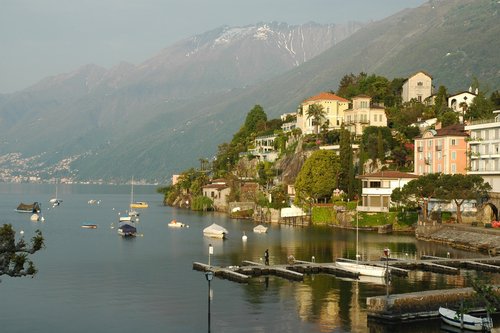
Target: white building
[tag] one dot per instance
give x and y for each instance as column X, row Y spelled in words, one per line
column 484, row 150
column 377, row 189
column 418, row 87
column 455, row 101
column 264, row 148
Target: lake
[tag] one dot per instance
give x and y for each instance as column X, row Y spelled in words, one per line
column 93, row 280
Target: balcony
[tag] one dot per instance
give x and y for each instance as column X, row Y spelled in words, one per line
column 420, row 149
column 439, row 148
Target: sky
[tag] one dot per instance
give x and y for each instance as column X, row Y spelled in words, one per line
column 40, row 38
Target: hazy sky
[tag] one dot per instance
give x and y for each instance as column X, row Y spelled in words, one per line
column 39, row 38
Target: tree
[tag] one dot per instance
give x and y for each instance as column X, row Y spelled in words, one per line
column 418, row 192
column 448, row 118
column 459, row 188
column 346, row 178
column 318, row 177
column 14, row 260
column 317, row 113
column 441, row 101
column 480, row 108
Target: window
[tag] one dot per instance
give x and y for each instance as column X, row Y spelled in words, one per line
column 439, row 155
column 419, row 98
column 420, row 156
column 453, row 142
column 420, row 83
column 453, row 168
column 439, row 168
column 453, row 155
column 375, row 184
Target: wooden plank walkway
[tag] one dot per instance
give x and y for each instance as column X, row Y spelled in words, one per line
column 295, row 271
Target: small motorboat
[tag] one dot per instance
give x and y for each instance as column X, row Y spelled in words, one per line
column 89, row 226
column 260, row 229
column 215, row 231
column 465, row 321
column 127, row 230
column 177, row 224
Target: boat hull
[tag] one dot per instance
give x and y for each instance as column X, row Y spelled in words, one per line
column 468, row 322
column 139, row 205
column 366, row 270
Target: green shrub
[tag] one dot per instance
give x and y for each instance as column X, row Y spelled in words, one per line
column 323, row 215
column 202, row 203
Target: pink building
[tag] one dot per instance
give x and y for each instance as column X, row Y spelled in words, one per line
column 441, row 150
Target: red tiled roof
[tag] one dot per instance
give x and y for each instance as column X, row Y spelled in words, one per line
column 325, row 96
column 452, row 130
column 389, row 175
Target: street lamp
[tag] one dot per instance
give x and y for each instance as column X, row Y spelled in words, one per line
column 209, row 276
column 387, row 253
column 210, row 252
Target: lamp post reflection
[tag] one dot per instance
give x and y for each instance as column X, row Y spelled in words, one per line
column 209, row 276
column 210, row 252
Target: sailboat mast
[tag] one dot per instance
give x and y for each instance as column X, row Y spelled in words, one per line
column 357, row 234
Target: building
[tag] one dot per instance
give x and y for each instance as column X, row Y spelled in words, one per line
column 418, row 87
column 218, row 191
column 441, row 150
column 333, row 106
column 377, row 189
column 264, row 148
column 484, row 150
column 364, row 113
column 460, row 102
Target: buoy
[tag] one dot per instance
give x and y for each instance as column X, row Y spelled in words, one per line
column 21, row 232
column 244, row 237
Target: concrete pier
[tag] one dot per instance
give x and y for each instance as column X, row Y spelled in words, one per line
column 415, row 306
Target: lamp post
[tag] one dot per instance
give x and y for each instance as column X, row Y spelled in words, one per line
column 209, row 276
column 210, row 252
column 387, row 253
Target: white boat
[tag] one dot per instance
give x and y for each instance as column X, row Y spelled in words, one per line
column 465, row 321
column 126, row 226
column 260, row 229
column 362, row 269
column 177, row 224
column 89, row 226
column 138, row 204
column 215, row 231
column 55, row 201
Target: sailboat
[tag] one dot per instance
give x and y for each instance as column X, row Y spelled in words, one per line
column 55, row 201
column 138, row 204
column 356, row 266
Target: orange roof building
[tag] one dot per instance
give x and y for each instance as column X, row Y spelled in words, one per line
column 333, row 106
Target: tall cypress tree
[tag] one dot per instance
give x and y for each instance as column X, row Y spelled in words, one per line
column 346, row 163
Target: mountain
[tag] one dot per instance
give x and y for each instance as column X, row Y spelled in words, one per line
column 123, row 112
column 159, row 117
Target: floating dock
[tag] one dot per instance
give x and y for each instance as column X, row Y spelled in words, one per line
column 296, row 269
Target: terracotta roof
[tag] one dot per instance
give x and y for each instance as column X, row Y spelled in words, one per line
column 389, row 175
column 325, row 96
column 452, row 130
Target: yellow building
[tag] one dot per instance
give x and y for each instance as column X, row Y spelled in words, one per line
column 333, row 106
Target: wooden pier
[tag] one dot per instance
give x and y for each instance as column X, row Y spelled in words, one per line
column 295, row 270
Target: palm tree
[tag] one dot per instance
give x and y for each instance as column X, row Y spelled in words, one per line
column 317, row 113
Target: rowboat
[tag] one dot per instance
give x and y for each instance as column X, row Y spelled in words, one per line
column 466, row 321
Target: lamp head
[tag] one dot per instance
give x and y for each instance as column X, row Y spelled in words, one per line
column 209, row 276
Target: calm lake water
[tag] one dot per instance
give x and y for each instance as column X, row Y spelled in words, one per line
column 92, row 280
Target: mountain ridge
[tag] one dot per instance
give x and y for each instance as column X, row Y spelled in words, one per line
column 151, row 129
